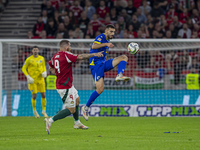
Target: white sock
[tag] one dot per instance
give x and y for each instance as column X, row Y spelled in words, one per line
column 51, row 120
column 44, row 111
column 77, row 122
column 86, row 108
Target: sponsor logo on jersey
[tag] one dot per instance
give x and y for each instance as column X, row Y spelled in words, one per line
column 99, row 39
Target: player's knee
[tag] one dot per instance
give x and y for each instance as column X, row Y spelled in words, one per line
column 77, row 101
column 43, row 95
column 72, row 110
column 100, row 89
column 124, row 57
column 34, row 96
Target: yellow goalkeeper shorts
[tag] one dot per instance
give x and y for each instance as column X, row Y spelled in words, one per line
column 37, row 87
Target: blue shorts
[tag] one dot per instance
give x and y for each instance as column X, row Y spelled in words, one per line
column 99, row 69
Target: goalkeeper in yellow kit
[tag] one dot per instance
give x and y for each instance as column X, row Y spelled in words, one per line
column 35, row 77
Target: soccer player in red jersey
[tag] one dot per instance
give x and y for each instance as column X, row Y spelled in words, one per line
column 61, row 66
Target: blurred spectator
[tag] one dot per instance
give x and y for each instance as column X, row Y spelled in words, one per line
column 59, row 36
column 189, row 4
column 44, row 16
column 55, row 4
column 184, row 15
column 68, row 25
column 161, row 31
column 171, row 13
column 135, row 23
column 142, row 59
column 130, row 9
column 162, row 4
column 126, row 16
column 187, row 60
column 194, row 35
column 51, row 28
column 118, row 6
column 47, row 6
column 185, row 32
column 62, row 30
column 195, row 64
column 57, row 18
column 87, row 36
column 71, row 34
column 176, row 23
column 139, row 34
column 77, row 10
column 145, row 8
column 131, row 33
column 173, row 31
column 195, row 16
column 125, row 35
column 38, row 27
column 150, row 29
column 118, row 32
column 95, row 23
column 102, row 10
column 168, row 34
column 159, row 58
column 90, row 31
column 173, row 3
column 71, row 18
column 155, row 34
column 63, row 11
column 198, row 5
column 107, row 21
column 189, row 23
column 152, row 64
column 141, row 17
column 78, row 34
column 144, row 30
column 97, row 33
column 83, row 22
column 156, row 11
column 29, row 35
column 43, row 35
column 109, row 3
column 90, row 10
column 122, row 24
column 162, row 21
column 113, row 15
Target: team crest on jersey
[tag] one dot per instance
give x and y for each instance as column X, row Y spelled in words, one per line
column 40, row 61
column 99, row 39
column 72, row 102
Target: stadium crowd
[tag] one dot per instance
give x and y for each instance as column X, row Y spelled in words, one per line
column 157, row 19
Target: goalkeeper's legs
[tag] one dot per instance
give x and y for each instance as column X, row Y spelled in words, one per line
column 33, row 100
column 94, row 95
column 121, row 62
column 43, row 101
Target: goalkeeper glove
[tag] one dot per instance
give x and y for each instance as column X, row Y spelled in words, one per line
column 44, row 74
column 29, row 79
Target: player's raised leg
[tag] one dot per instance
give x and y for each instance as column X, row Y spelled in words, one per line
column 121, row 62
column 77, row 123
column 94, row 95
column 44, row 101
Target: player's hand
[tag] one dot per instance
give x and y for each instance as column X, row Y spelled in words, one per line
column 110, row 45
column 44, row 74
column 100, row 54
column 29, row 79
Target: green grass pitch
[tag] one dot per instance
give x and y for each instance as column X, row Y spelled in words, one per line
column 104, row 133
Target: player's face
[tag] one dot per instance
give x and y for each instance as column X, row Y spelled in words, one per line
column 35, row 51
column 110, row 33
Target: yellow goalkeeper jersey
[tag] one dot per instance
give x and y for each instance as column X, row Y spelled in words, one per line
column 35, row 67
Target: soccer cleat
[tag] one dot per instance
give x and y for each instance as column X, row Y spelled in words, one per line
column 36, row 114
column 45, row 114
column 80, row 126
column 48, row 125
column 120, row 77
column 85, row 113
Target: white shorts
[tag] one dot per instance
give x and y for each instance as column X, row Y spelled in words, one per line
column 68, row 96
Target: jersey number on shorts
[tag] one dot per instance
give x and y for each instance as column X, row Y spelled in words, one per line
column 57, row 66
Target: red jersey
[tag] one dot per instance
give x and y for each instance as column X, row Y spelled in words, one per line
column 77, row 12
column 62, row 63
column 102, row 11
column 95, row 25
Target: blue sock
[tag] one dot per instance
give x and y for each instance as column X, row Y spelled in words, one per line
column 121, row 66
column 92, row 98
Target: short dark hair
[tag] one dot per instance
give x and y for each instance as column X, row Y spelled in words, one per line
column 64, row 42
column 35, row 47
column 110, row 26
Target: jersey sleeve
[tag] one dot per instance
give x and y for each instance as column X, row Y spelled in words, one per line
column 25, row 66
column 43, row 64
column 98, row 39
column 51, row 63
column 71, row 57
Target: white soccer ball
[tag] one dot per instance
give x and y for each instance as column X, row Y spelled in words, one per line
column 133, row 48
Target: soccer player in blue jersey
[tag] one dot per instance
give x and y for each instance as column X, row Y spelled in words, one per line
column 98, row 65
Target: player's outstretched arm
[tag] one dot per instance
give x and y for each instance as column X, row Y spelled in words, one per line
column 97, row 46
column 86, row 56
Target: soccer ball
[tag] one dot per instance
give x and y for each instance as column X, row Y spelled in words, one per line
column 133, row 48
